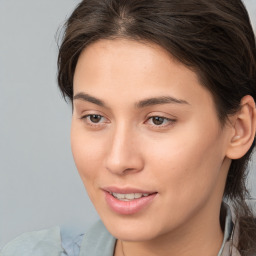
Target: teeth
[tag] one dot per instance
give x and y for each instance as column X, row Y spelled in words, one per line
column 130, row 196
column 127, row 197
column 119, row 196
column 137, row 195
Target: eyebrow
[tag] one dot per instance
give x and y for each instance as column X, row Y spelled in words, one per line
column 159, row 100
column 141, row 104
column 89, row 98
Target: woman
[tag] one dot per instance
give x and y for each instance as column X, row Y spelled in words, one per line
column 163, row 96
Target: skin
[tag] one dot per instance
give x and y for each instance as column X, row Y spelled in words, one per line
column 185, row 159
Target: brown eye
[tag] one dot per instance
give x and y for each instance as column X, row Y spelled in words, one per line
column 95, row 121
column 160, row 122
column 95, row 118
column 157, row 120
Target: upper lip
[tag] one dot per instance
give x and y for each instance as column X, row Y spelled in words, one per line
column 126, row 190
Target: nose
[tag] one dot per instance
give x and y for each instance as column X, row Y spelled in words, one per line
column 124, row 154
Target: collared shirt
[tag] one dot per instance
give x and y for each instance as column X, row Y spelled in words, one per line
column 97, row 241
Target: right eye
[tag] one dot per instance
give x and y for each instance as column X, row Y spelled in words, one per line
column 94, row 120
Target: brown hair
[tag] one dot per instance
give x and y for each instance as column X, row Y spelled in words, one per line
column 212, row 37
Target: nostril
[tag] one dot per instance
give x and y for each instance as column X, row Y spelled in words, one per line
column 124, row 168
column 130, row 170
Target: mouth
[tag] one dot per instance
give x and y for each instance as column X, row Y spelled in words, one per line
column 128, row 201
column 130, row 196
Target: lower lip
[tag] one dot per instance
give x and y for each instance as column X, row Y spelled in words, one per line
column 128, row 207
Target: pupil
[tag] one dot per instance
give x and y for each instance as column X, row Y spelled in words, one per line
column 158, row 120
column 95, row 118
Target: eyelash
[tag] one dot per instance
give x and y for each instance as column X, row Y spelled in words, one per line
column 162, row 126
column 97, row 125
column 86, row 118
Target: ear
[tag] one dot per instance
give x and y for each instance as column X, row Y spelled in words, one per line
column 243, row 129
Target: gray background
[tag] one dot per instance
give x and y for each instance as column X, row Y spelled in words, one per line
column 39, row 184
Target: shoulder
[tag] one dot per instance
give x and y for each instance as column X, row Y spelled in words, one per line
column 97, row 240
column 62, row 241
column 36, row 243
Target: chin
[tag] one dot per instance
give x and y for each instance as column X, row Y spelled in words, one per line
column 132, row 235
column 132, row 229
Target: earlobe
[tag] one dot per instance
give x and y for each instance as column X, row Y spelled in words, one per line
column 243, row 126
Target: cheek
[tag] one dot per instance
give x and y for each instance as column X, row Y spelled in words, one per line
column 185, row 164
column 187, row 171
column 87, row 152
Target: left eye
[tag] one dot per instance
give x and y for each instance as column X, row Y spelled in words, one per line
column 160, row 121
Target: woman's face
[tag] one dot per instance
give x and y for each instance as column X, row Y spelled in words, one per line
column 144, row 129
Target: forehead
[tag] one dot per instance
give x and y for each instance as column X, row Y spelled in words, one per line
column 129, row 69
column 116, row 56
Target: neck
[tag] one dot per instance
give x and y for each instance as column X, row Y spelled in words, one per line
column 201, row 238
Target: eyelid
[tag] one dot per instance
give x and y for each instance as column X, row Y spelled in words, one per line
column 89, row 112
column 89, row 123
column 170, row 121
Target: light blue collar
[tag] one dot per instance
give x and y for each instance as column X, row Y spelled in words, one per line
column 98, row 242
column 228, row 226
